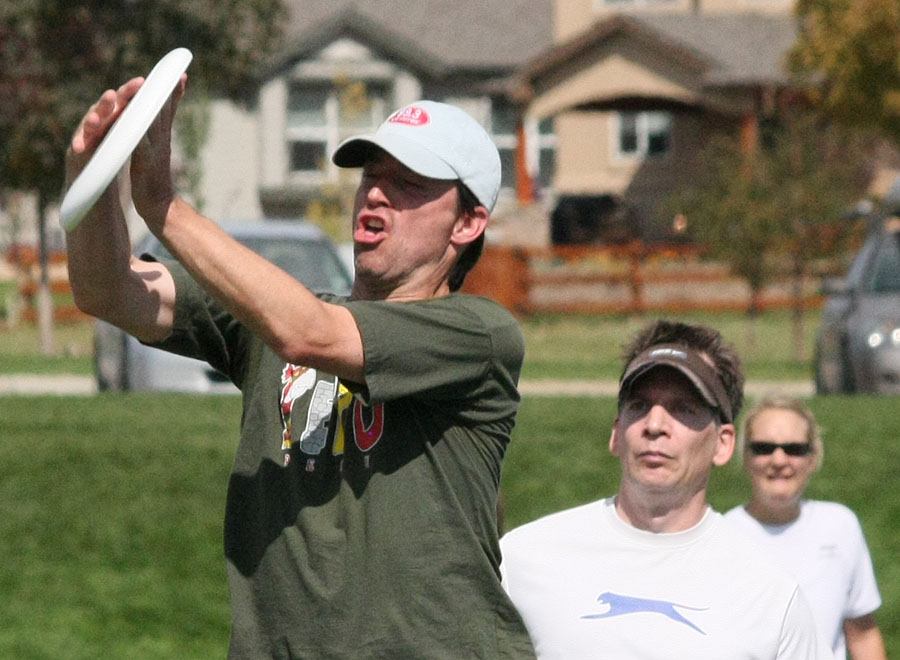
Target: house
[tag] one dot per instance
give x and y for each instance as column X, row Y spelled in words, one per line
column 606, row 101
column 345, row 66
column 636, row 88
column 599, row 107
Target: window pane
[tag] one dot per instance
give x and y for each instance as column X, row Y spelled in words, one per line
column 503, row 118
column 306, row 104
column 507, row 167
column 362, row 103
column 306, row 156
column 628, row 137
column 547, row 164
column 885, row 276
column 659, row 128
column 545, row 127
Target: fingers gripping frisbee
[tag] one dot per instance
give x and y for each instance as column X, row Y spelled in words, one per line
column 123, row 137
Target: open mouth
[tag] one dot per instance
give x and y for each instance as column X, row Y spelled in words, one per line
column 369, row 228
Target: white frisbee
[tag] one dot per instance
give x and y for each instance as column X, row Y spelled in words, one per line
column 123, row 137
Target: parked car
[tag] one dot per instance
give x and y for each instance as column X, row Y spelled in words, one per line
column 300, row 248
column 858, row 342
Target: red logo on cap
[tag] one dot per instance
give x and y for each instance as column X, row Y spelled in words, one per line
column 411, row 116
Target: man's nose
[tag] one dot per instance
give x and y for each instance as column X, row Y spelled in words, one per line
column 375, row 192
column 657, row 420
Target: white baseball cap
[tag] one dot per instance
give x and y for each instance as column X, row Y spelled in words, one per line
column 436, row 140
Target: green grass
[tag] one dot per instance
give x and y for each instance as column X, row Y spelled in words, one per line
column 559, row 458
column 590, row 346
column 111, row 522
column 72, row 350
column 587, row 347
column 111, row 510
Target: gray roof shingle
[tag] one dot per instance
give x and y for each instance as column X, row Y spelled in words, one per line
column 459, row 34
column 730, row 49
column 742, row 48
column 495, row 38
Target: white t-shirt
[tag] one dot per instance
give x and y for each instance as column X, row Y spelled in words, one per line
column 589, row 585
column 827, row 553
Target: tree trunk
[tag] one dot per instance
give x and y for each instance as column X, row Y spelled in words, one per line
column 752, row 317
column 44, row 296
column 798, row 313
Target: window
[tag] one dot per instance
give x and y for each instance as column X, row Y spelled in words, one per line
column 540, row 144
column 322, row 113
column 646, row 133
column 885, row 274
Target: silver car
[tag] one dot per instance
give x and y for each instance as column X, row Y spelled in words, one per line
column 858, row 343
column 300, row 248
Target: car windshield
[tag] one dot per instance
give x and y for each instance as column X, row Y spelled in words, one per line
column 884, row 276
column 311, row 261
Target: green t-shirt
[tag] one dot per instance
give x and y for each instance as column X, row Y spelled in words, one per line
column 361, row 522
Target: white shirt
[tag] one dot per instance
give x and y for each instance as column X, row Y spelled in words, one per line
column 589, row 585
column 824, row 549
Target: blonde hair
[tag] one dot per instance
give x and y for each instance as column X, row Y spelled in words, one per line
column 813, row 432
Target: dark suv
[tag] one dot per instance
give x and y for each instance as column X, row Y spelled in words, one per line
column 858, row 343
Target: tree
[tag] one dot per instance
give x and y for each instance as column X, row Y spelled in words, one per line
column 57, row 56
column 847, row 56
column 780, row 204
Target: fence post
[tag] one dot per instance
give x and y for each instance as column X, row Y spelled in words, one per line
column 501, row 274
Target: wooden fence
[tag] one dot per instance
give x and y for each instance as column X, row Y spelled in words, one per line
column 24, row 260
column 633, row 278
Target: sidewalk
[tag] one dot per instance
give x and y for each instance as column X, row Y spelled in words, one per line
column 34, row 384
column 753, row 389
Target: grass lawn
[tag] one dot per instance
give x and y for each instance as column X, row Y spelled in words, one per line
column 72, row 351
column 111, row 515
column 557, row 346
column 591, row 346
column 111, row 510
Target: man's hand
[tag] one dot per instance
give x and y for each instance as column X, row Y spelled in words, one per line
column 151, row 164
column 95, row 124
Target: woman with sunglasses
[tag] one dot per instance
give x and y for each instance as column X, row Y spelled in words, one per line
column 819, row 543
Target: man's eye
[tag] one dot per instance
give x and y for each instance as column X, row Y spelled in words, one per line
column 636, row 406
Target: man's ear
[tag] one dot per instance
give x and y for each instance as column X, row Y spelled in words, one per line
column 613, row 438
column 725, row 443
column 469, row 226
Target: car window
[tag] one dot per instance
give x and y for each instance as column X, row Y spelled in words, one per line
column 314, row 262
column 884, row 275
column 856, row 274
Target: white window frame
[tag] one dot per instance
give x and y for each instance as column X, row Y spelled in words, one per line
column 642, row 127
column 332, row 132
column 535, row 142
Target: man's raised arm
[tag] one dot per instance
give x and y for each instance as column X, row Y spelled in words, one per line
column 107, row 282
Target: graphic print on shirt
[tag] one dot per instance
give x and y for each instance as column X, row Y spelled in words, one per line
column 304, row 389
column 620, row 605
column 297, row 381
column 368, row 424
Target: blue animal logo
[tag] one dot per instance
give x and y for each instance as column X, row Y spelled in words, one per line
column 619, row 605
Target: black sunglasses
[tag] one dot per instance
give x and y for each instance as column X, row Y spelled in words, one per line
column 790, row 448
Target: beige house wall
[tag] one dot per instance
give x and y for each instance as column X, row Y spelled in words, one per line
column 591, row 163
column 573, row 16
column 621, row 68
column 587, row 158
